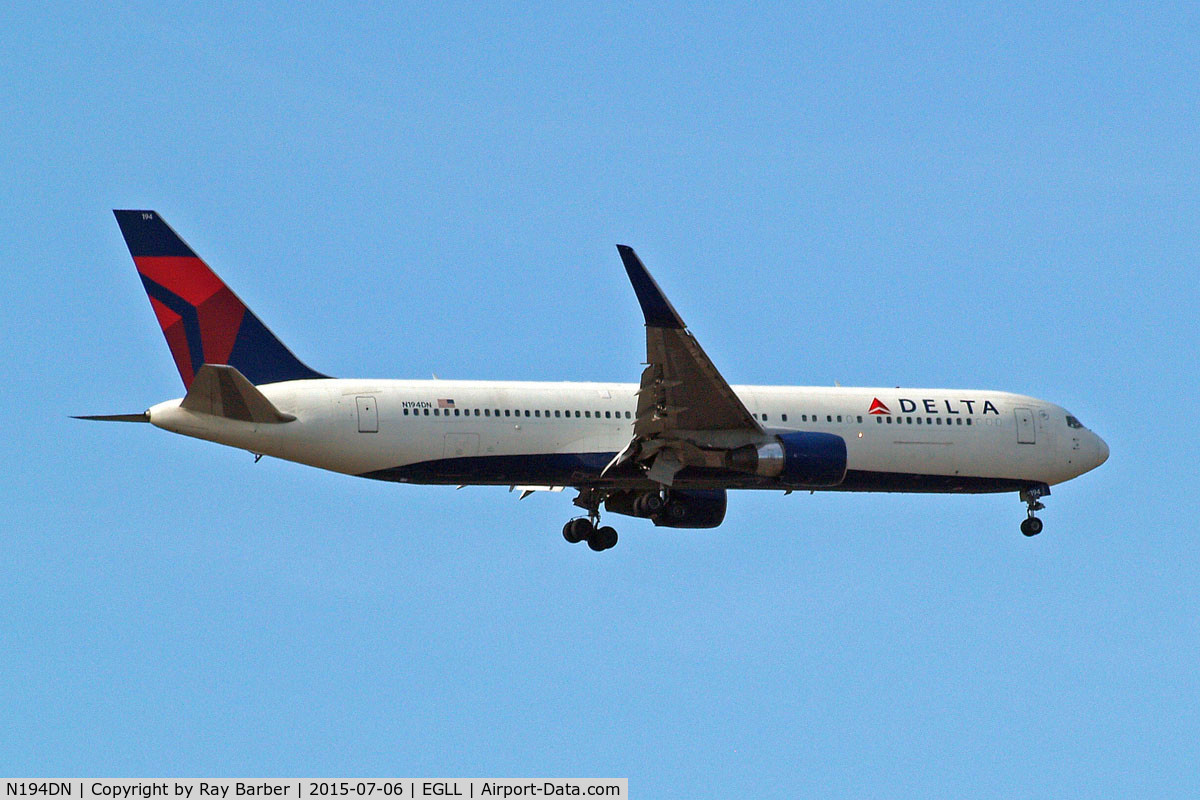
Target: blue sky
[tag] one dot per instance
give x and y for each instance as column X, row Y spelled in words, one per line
column 970, row 196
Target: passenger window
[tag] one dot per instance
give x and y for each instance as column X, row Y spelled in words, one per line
column 764, row 417
column 628, row 415
column 587, row 414
column 406, row 412
column 839, row 417
column 878, row 420
column 577, row 414
column 968, row 420
column 828, row 418
column 558, row 413
column 785, row 417
column 537, row 413
column 608, row 415
column 918, row 420
column 427, row 412
column 889, row 420
column 860, row 419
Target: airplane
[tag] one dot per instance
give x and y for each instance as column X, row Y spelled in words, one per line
column 667, row 449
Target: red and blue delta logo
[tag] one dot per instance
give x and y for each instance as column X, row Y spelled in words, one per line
column 930, row 406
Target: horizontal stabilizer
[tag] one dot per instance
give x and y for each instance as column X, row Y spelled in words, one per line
column 142, row 417
column 222, row 391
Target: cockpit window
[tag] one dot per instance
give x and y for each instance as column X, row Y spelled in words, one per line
column 1073, row 423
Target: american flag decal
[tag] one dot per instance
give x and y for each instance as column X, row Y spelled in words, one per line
column 445, row 403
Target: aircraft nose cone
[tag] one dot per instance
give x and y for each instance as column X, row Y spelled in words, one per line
column 1101, row 451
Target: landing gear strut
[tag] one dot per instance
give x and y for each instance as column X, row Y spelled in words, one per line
column 1031, row 525
column 588, row 529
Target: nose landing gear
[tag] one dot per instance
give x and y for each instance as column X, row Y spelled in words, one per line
column 1031, row 525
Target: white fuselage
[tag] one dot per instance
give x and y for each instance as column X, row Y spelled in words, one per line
column 549, row 433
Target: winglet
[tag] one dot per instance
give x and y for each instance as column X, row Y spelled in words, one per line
column 656, row 307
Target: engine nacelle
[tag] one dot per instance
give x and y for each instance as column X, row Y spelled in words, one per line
column 797, row 459
column 679, row 508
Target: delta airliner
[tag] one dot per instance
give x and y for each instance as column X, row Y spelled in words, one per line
column 667, row 449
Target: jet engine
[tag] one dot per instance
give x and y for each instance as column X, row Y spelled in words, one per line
column 677, row 508
column 796, row 459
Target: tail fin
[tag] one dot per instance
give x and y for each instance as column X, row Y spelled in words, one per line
column 203, row 321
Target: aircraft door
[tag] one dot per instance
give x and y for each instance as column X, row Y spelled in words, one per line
column 1026, row 433
column 368, row 414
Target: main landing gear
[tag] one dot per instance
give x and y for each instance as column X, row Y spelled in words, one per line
column 583, row 529
column 1031, row 525
column 588, row 529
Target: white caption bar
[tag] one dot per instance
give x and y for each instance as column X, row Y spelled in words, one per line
column 308, row 788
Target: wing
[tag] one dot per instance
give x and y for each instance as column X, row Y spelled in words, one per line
column 681, row 389
column 682, row 393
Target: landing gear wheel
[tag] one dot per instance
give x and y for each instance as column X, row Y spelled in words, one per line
column 1031, row 497
column 603, row 539
column 577, row 530
column 610, row 537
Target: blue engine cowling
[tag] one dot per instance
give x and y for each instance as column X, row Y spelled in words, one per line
column 796, row 459
column 813, row 459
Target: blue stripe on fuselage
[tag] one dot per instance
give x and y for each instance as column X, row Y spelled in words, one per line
column 583, row 469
